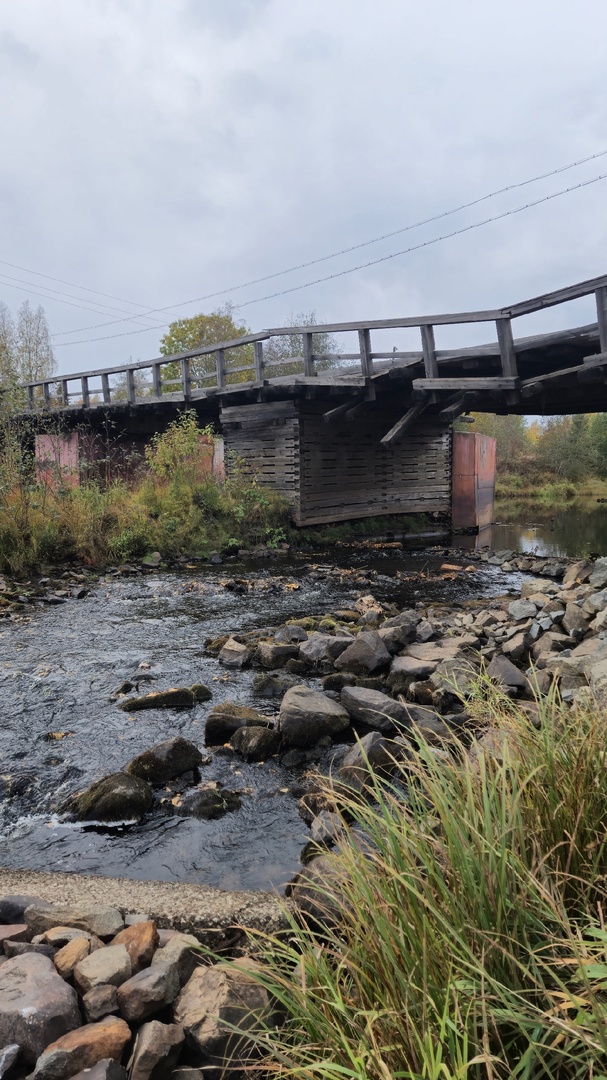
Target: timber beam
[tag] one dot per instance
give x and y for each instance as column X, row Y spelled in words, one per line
column 462, row 404
column 339, row 410
column 396, row 433
column 464, row 384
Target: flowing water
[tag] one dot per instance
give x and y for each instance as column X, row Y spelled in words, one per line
column 59, row 665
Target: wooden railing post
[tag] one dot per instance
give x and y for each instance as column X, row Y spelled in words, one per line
column 601, row 311
column 186, row 379
column 46, row 393
column 429, row 351
column 65, row 397
column 220, row 367
column 156, row 380
column 259, row 360
column 506, row 344
column 107, row 393
column 131, row 394
column 86, row 397
column 308, row 356
column 364, row 343
column 30, row 397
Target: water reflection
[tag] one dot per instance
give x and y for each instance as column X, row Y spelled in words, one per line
column 577, row 531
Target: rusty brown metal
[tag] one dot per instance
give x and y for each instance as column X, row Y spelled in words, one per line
column 473, row 480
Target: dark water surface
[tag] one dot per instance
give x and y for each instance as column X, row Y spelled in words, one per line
column 576, row 531
column 58, row 666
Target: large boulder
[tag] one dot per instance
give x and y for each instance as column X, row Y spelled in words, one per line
column 182, row 953
column 503, row 671
column 36, row 1005
column 102, row 920
column 82, row 1048
column 366, row 655
column 598, row 577
column 166, row 760
column 213, row 1003
column 373, row 708
column 308, row 715
column 117, row 797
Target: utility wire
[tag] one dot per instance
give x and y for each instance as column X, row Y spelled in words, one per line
column 106, row 309
column 353, row 247
column 72, row 285
column 382, row 259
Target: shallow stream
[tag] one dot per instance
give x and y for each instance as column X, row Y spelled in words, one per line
column 59, row 665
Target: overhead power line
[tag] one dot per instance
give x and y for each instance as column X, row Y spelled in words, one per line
column 381, row 259
column 81, row 288
column 354, row 247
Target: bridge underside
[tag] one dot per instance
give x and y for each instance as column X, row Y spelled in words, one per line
column 338, row 472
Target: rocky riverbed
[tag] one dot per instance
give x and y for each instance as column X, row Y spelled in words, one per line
column 345, row 688
column 163, row 726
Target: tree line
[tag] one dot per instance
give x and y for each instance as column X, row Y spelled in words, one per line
column 26, row 353
column 568, row 447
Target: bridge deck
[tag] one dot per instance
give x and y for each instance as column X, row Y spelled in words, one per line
column 554, row 373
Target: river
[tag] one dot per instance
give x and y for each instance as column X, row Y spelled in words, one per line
column 578, row 530
column 59, row 665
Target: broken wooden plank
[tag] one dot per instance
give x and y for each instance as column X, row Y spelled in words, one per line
column 398, row 430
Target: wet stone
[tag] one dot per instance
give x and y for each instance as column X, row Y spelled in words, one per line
column 209, row 803
column 118, row 797
column 176, row 698
column 226, row 718
column 165, row 761
column 256, row 743
column 306, row 715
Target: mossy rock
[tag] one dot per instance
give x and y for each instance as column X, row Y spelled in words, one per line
column 307, row 623
column 337, row 680
column 327, row 625
column 181, row 697
column 214, row 645
column 117, row 797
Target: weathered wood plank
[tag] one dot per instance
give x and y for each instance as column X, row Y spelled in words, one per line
column 506, row 347
column 462, row 383
column 429, row 352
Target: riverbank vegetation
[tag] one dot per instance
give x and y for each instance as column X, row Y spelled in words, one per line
column 465, row 933
column 170, row 503
column 550, row 462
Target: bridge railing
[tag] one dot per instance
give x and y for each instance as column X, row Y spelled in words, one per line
column 219, row 368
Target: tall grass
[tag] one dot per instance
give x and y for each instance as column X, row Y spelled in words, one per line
column 471, row 940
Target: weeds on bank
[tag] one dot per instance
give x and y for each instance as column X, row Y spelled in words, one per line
column 169, row 505
column 471, row 940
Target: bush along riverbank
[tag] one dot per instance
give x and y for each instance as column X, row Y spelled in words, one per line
column 448, row 919
column 171, row 504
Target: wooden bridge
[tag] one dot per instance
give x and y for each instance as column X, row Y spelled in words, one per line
column 354, row 433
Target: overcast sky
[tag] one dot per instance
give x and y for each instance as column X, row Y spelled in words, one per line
column 161, row 151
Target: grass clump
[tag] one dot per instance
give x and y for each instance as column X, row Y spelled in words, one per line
column 471, row 940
